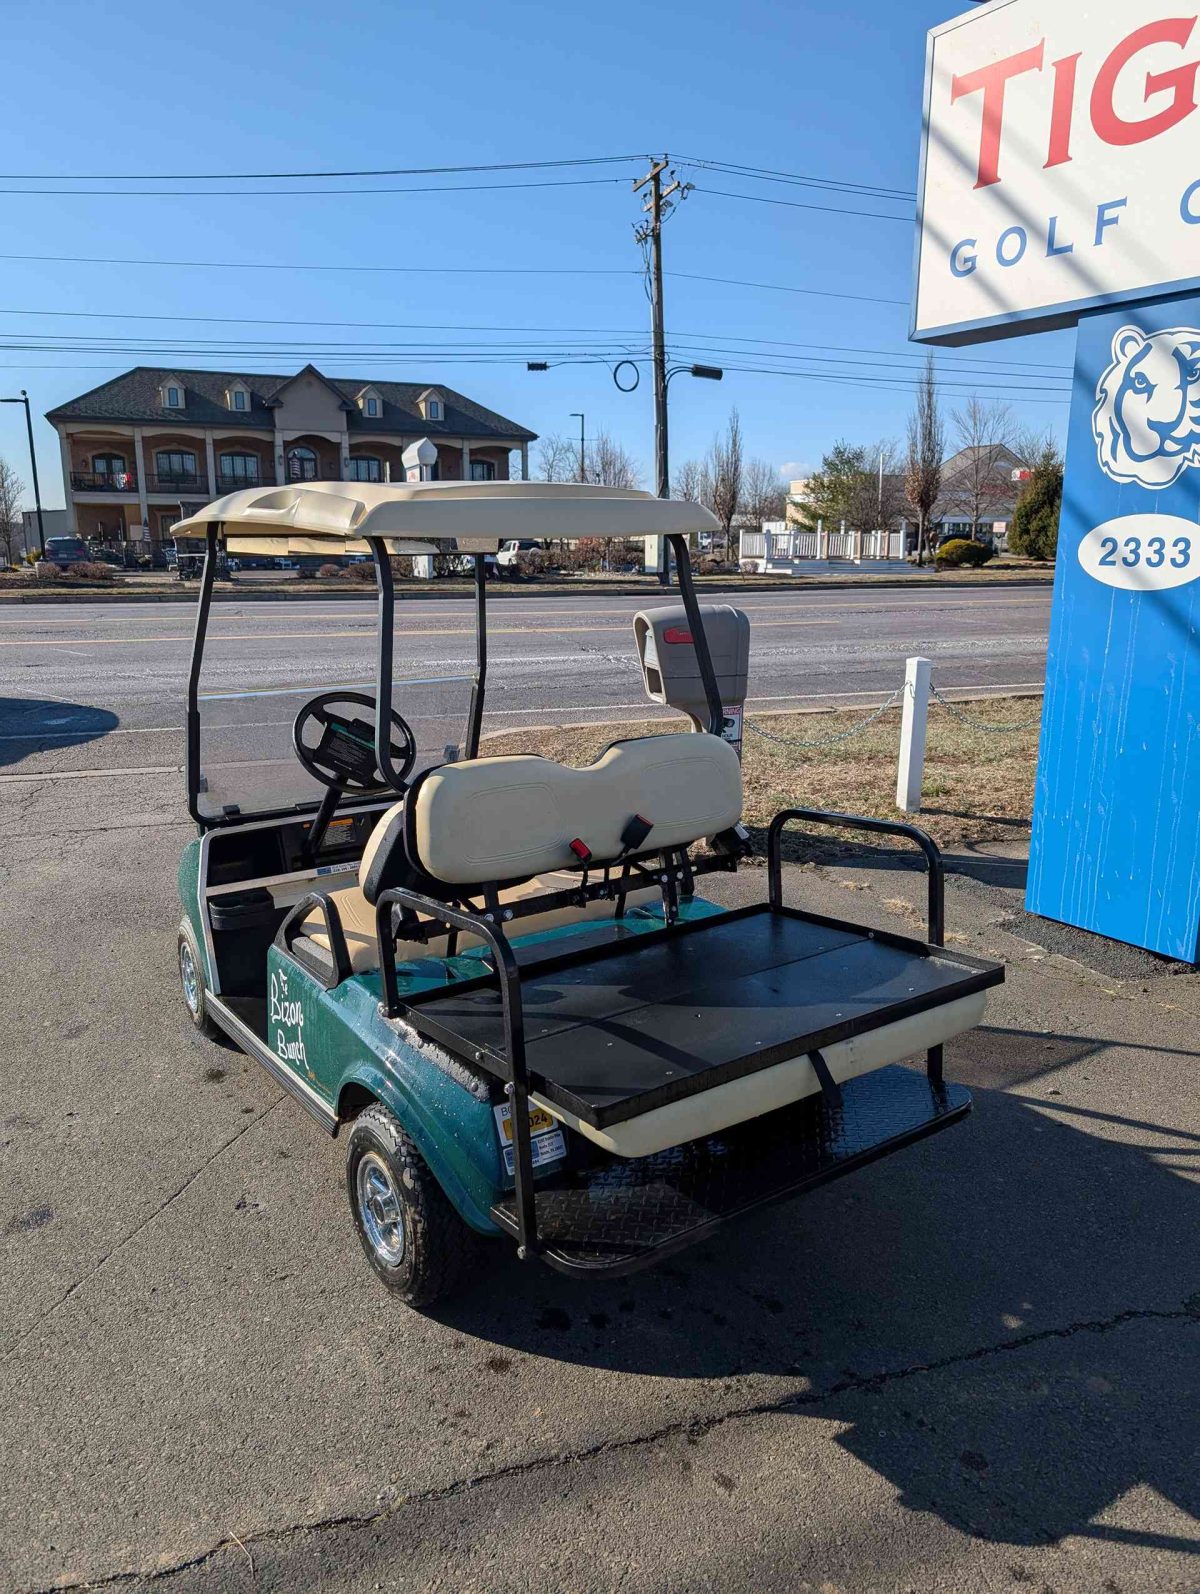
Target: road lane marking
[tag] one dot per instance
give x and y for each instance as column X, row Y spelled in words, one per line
column 364, row 634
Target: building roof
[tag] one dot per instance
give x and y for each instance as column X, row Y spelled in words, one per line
column 134, row 399
column 995, row 457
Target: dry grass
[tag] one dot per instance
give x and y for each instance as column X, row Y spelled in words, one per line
column 978, row 785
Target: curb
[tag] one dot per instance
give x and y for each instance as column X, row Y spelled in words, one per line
column 655, row 594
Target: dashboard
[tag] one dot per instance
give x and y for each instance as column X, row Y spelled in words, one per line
column 266, row 852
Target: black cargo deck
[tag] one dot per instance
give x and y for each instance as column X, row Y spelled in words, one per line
column 615, row 1031
column 622, row 1216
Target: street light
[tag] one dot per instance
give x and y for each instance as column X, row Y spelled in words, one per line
column 576, row 416
column 37, row 495
column 707, row 373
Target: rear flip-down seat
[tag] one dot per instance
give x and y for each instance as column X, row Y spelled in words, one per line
column 715, row 1022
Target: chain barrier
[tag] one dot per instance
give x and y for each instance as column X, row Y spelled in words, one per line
column 975, row 724
column 828, row 741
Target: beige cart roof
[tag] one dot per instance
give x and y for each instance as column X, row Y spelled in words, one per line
column 415, row 517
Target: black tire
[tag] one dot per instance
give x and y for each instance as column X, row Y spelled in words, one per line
column 195, row 992
column 431, row 1249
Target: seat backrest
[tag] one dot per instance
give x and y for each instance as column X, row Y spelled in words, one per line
column 489, row 820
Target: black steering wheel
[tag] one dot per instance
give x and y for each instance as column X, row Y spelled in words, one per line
column 344, row 757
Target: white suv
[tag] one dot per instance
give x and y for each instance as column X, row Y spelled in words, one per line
column 510, row 552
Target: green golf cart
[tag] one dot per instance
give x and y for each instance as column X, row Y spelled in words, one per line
column 497, row 977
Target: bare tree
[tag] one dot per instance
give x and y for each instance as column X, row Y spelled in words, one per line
column 981, row 481
column 611, row 465
column 926, row 451
column 726, row 469
column 558, row 458
column 764, row 495
column 692, row 483
column 11, row 488
column 606, row 462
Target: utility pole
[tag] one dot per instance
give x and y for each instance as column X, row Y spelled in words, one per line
column 576, row 416
column 657, row 207
column 37, row 492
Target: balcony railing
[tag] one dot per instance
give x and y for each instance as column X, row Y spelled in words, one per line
column 117, row 481
column 235, row 484
column 323, row 473
column 177, row 482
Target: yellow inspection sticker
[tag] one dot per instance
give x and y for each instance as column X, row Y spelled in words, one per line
column 546, row 1137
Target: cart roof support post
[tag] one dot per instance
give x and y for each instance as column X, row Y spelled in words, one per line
column 192, row 756
column 384, row 663
column 687, row 591
column 479, row 685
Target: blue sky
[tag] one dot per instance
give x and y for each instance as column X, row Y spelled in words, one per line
column 146, row 88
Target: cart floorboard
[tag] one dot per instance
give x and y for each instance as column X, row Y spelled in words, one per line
column 624, row 1215
column 617, row 1031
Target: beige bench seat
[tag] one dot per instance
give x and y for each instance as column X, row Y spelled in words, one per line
column 358, row 921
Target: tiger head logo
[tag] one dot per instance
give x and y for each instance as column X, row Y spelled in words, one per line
column 1147, row 417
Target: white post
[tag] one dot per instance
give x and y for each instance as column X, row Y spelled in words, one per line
column 910, row 775
column 822, row 540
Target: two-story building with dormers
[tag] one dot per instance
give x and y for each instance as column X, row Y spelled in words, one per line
column 142, row 451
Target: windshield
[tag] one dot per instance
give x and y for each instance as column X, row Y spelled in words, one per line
column 264, row 661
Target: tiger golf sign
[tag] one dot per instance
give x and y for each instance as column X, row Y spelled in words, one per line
column 1116, row 820
column 1060, row 165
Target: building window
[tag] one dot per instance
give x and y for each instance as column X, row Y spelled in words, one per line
column 240, row 468
column 301, row 464
column 175, row 466
column 239, row 399
column 108, row 464
column 483, row 470
column 433, row 410
column 371, row 406
column 173, row 398
column 365, row 468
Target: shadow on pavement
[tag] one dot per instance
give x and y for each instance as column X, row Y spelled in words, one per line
column 37, row 725
column 1006, row 1317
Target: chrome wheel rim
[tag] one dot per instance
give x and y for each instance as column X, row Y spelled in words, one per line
column 380, row 1209
column 189, row 977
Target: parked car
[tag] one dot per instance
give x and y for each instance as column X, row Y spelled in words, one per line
column 509, row 557
column 66, row 551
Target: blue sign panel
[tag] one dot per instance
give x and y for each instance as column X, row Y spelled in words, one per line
column 1116, row 825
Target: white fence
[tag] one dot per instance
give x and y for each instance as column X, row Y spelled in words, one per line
column 779, row 546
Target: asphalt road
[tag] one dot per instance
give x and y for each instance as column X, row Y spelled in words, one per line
column 101, row 686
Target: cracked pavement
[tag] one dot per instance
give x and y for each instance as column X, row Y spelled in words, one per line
column 972, row 1366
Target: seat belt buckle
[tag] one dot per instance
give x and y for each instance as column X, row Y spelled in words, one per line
column 581, row 850
column 635, row 832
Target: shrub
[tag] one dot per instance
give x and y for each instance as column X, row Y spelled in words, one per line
column 533, row 562
column 89, row 572
column 1034, row 531
column 962, row 553
column 45, row 571
column 329, row 570
column 363, row 571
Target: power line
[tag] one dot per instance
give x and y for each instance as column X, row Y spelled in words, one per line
column 767, row 174
column 253, row 265
column 779, row 287
column 792, row 204
column 447, row 271
column 381, row 171
column 290, row 193
column 462, row 326
column 854, row 381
